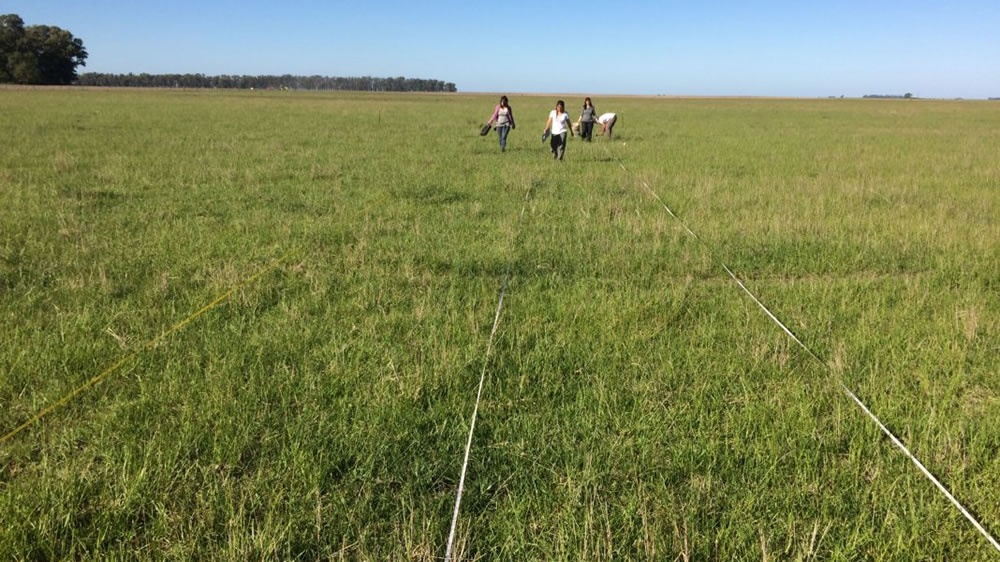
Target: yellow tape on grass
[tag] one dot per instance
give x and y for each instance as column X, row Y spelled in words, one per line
column 148, row 345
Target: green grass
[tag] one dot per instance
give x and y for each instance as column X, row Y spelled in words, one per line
column 637, row 404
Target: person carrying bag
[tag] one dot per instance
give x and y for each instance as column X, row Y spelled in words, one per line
column 503, row 117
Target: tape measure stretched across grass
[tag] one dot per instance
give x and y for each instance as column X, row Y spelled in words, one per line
column 148, row 345
column 850, row 393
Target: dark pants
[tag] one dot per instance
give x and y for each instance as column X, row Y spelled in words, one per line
column 502, row 133
column 586, row 130
column 558, row 144
column 610, row 125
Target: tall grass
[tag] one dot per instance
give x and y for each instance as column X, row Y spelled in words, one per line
column 637, row 404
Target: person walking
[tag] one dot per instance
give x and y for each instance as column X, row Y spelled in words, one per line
column 558, row 125
column 607, row 122
column 587, row 118
column 503, row 116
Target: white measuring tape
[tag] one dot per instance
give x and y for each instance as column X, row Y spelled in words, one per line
column 896, row 441
column 479, row 394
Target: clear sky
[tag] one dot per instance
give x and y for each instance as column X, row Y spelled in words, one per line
column 713, row 47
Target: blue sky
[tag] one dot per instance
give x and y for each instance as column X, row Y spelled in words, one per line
column 765, row 48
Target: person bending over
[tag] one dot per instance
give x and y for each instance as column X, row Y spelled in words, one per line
column 607, row 122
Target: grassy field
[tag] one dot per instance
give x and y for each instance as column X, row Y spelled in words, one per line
column 637, row 406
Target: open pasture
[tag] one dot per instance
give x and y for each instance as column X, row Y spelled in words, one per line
column 637, row 405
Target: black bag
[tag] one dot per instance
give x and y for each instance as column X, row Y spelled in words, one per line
column 484, row 131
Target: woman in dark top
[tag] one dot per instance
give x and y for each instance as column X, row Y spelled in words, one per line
column 587, row 120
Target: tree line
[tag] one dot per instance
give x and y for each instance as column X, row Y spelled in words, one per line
column 45, row 54
column 267, row 81
column 38, row 54
column 906, row 96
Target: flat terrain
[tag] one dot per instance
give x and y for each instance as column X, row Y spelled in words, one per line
column 637, row 404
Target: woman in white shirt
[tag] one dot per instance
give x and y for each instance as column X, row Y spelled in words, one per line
column 558, row 124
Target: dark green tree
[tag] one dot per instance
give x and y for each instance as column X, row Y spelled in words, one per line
column 11, row 35
column 38, row 54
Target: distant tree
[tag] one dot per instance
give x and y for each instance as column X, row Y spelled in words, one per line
column 11, row 35
column 907, row 96
column 38, row 54
column 58, row 53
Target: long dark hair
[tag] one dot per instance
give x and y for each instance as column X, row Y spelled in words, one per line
column 503, row 101
column 561, row 105
column 586, row 101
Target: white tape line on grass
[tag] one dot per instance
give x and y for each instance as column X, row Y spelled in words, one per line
column 874, row 418
column 479, row 394
column 896, row 441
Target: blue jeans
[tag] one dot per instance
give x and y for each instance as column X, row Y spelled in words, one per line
column 502, row 133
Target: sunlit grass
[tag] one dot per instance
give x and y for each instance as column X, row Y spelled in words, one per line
column 637, row 406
